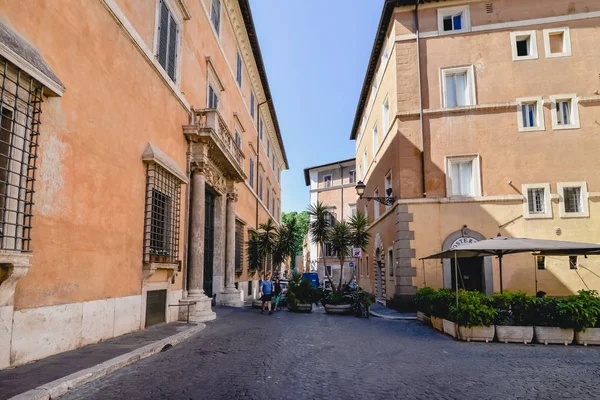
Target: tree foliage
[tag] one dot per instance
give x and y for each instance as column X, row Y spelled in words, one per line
column 298, row 225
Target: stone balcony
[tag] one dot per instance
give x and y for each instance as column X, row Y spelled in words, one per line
column 212, row 139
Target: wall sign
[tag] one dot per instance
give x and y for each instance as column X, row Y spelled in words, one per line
column 463, row 240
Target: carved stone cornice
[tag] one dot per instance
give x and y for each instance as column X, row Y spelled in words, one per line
column 232, row 196
column 212, row 174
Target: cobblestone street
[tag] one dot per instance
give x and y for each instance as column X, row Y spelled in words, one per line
column 292, row 356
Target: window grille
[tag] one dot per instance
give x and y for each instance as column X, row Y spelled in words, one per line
column 572, row 196
column 20, row 110
column 161, row 229
column 215, row 14
column 167, row 40
column 239, row 247
column 536, row 199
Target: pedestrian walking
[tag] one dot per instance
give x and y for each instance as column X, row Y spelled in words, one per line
column 266, row 288
column 277, row 294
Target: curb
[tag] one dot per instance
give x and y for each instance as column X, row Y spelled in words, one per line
column 392, row 318
column 58, row 387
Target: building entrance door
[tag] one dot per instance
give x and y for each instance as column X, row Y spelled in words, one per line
column 209, row 236
column 470, row 274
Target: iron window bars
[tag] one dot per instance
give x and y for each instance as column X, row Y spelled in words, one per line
column 162, row 211
column 20, row 110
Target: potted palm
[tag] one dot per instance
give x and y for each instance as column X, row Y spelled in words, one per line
column 474, row 316
column 514, row 317
column 552, row 321
column 340, row 239
column 360, row 236
column 585, row 309
column 300, row 294
column 260, row 247
column 319, row 229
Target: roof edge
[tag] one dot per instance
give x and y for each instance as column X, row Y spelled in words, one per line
column 306, row 170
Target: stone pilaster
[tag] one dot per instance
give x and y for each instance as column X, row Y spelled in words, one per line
column 230, row 295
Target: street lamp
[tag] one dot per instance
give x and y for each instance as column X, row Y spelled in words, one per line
column 388, row 200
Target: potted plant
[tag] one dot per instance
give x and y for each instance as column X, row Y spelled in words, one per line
column 337, row 303
column 514, row 317
column 424, row 301
column 159, row 255
column 440, row 311
column 552, row 321
column 474, row 316
column 585, row 312
column 300, row 294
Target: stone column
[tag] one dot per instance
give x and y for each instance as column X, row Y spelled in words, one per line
column 230, row 295
column 201, row 310
column 219, row 247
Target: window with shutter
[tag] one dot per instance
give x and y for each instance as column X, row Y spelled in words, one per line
column 239, row 247
column 252, row 104
column 251, row 174
column 238, row 76
column 167, row 41
column 215, row 14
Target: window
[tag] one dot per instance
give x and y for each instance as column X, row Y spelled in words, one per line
column 453, row 20
column 328, row 270
column 540, row 262
column 215, row 14
column 557, row 42
column 252, row 105
column 573, row 262
column 352, row 210
column 530, row 114
column 20, row 111
column 565, row 112
column 376, row 204
column 385, row 115
column 524, row 45
column 261, row 125
column 463, row 176
column 161, row 228
column 368, row 267
column 239, row 247
column 273, row 205
column 268, row 197
column 238, row 139
column 367, row 210
column 537, row 203
column 238, row 75
column 213, row 97
column 365, row 163
column 573, row 199
column 388, row 186
column 327, row 179
column 251, row 177
column 360, row 172
column 458, row 87
column 268, row 148
column 167, row 40
column 390, row 266
column 250, row 288
column 352, row 176
column 273, row 161
column 375, row 140
column 260, row 187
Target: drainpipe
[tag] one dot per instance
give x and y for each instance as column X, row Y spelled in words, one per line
column 420, row 100
column 258, row 156
column 342, row 186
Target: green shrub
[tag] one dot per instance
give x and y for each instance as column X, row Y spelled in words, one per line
column 474, row 309
column 441, row 303
column 514, row 308
column 424, row 299
column 336, row 298
column 581, row 310
column 301, row 291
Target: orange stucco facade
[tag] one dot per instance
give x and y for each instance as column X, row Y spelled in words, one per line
column 432, row 130
column 87, row 238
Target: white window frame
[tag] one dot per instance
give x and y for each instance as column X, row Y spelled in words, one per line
column 386, row 186
column 350, row 173
column 574, row 111
column 376, row 211
column 449, row 11
column 547, row 200
column 566, row 42
column 470, row 84
column 179, row 19
column 539, row 105
column 330, row 176
column 585, row 211
column 476, row 171
column 217, row 31
column 375, row 138
column 352, row 209
column 514, row 36
column 385, row 116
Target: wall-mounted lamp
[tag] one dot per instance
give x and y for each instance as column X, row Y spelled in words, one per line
column 388, row 200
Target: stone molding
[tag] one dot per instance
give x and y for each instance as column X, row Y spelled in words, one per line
column 149, row 269
column 153, row 154
column 232, row 196
column 14, row 267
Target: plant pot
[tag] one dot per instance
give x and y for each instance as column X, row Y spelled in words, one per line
column 514, row 334
column 437, row 323
column 553, row 335
column 257, row 303
column 420, row 316
column 476, row 333
column 300, row 308
column 449, row 327
column 426, row 320
column 589, row 336
column 340, row 309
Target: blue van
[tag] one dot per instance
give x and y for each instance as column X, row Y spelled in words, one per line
column 313, row 277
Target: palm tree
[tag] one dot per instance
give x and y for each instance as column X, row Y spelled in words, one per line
column 266, row 243
column 254, row 259
column 319, row 227
column 360, row 236
column 340, row 240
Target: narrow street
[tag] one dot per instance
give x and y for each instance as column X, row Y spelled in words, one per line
column 245, row 355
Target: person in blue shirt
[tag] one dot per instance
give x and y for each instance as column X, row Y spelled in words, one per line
column 266, row 288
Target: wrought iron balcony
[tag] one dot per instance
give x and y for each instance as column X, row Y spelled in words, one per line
column 208, row 127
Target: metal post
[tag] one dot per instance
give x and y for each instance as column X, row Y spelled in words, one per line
column 456, row 277
column 500, row 259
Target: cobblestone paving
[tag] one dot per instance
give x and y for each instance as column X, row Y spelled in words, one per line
column 245, row 355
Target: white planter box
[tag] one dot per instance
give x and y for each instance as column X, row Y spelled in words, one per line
column 420, row 316
column 589, row 336
column 514, row 334
column 449, row 327
column 339, row 309
column 437, row 323
column 553, row 335
column 477, row 333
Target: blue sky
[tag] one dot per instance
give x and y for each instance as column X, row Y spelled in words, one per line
column 316, row 54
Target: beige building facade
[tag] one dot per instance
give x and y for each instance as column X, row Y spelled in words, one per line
column 482, row 118
column 139, row 146
column 332, row 184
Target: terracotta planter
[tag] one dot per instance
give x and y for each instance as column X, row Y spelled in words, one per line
column 449, row 327
column 514, row 334
column 589, row 336
column 340, row 309
column 300, row 308
column 477, row 333
column 437, row 323
column 553, row 335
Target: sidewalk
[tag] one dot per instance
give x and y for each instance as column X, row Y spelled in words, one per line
column 54, row 375
column 377, row 310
